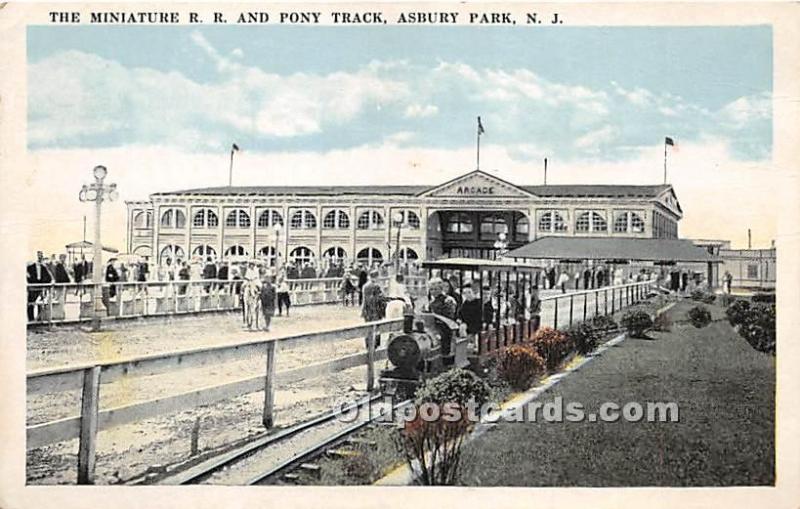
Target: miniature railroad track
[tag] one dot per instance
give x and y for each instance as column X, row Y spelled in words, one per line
column 265, row 458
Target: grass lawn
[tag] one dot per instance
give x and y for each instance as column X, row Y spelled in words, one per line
column 725, row 391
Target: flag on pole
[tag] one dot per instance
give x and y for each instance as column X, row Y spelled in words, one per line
column 480, row 126
column 235, row 147
column 669, row 141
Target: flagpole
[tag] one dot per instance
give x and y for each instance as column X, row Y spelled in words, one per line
column 478, row 155
column 665, row 160
column 230, row 171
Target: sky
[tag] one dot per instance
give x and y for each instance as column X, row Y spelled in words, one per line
column 161, row 106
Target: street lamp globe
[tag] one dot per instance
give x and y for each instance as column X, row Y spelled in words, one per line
column 277, row 228
column 502, row 236
column 398, row 217
column 100, row 172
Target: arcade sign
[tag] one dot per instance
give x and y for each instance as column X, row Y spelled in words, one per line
column 475, row 190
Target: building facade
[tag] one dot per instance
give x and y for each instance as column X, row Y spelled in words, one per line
column 475, row 215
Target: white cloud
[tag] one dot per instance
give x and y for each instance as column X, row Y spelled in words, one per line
column 420, row 111
column 593, row 140
column 745, row 110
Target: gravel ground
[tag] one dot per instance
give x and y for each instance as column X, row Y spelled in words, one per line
column 128, row 451
column 726, row 435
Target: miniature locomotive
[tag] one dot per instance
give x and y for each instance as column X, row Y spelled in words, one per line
column 428, row 345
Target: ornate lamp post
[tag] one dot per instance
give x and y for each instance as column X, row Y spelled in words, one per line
column 97, row 192
column 501, row 245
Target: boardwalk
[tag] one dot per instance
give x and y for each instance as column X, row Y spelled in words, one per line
column 726, row 394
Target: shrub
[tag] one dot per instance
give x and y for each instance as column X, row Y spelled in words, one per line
column 699, row 316
column 758, row 327
column 520, row 365
column 737, row 311
column 697, row 295
column 443, row 438
column 662, row 323
column 457, row 386
column 604, row 323
column 584, row 337
column 768, row 298
column 552, row 345
column 636, row 323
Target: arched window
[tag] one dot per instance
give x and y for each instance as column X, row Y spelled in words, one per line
column 173, row 218
column 301, row 255
column 459, row 222
column 522, row 226
column 590, row 221
column 143, row 251
column 369, row 256
column 370, row 220
column 493, row 224
column 236, row 251
column 412, row 220
column 552, row 221
column 335, row 254
column 267, row 254
column 143, row 219
column 408, row 254
column 204, row 252
column 336, row 219
column 637, row 223
column 237, row 218
column 269, row 218
column 303, row 220
column 172, row 253
column 205, row 218
column 628, row 222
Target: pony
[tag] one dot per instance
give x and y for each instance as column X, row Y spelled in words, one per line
column 251, row 297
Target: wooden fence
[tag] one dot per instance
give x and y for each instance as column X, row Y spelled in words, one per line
column 88, row 378
column 57, row 303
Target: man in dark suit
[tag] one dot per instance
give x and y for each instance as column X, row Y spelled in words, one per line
column 81, row 270
column 61, row 274
column 112, row 276
column 267, row 297
column 37, row 273
column 209, row 272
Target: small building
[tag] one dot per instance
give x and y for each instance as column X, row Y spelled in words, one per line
column 750, row 268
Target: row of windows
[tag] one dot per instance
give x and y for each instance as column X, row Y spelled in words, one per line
column 301, row 219
column 592, row 221
column 550, row 221
column 299, row 254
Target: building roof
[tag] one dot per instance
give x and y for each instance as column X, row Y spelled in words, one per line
column 301, row 190
column 598, row 191
column 475, row 264
column 561, row 191
column 606, row 248
column 85, row 244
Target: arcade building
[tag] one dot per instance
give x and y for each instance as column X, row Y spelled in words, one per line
column 476, row 215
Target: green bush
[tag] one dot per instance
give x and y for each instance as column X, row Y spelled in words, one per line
column 699, row 316
column 520, row 366
column 604, row 323
column 636, row 323
column 709, row 298
column 758, row 327
column 584, row 337
column 454, row 386
column 737, row 311
column 552, row 345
